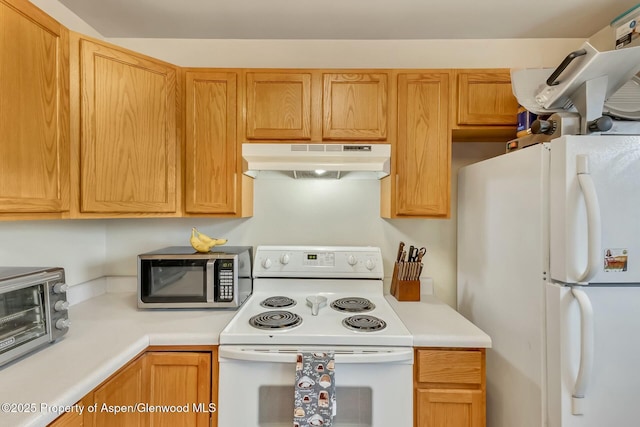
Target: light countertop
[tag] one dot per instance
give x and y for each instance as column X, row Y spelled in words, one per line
column 435, row 324
column 109, row 330
column 106, row 332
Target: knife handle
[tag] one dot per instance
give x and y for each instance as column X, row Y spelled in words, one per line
column 400, row 249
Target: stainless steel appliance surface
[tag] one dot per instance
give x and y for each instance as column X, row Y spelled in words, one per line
column 179, row 277
column 318, row 300
column 33, row 309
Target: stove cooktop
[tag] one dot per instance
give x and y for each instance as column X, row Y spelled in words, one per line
column 376, row 325
column 355, row 312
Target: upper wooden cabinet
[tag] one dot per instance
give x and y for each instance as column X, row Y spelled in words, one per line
column 419, row 184
column 485, row 105
column 34, row 112
column 278, row 106
column 315, row 105
column 211, row 147
column 128, row 145
column 355, row 106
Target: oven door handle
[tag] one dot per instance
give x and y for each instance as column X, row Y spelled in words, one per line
column 378, row 355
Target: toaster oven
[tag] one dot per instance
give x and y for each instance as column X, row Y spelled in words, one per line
column 33, row 309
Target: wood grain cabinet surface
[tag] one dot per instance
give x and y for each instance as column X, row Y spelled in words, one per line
column 450, row 388
column 88, row 129
column 420, row 181
column 211, row 149
column 128, row 144
column 355, row 106
column 34, row 112
column 315, row 105
column 485, row 107
column 153, row 379
column 278, row 105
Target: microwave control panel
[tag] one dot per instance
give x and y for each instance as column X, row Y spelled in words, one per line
column 225, row 280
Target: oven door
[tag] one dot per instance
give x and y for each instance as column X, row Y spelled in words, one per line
column 373, row 386
column 24, row 322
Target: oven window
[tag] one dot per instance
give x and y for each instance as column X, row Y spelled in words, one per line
column 22, row 316
column 354, row 408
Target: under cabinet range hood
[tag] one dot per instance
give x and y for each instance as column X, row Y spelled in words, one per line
column 317, row 160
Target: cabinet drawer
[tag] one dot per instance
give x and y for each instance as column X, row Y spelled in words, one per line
column 449, row 366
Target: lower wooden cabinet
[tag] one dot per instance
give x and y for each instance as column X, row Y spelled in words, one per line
column 450, row 388
column 158, row 388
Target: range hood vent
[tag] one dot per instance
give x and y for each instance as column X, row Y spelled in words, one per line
column 317, row 160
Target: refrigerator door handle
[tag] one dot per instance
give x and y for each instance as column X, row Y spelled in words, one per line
column 586, row 351
column 594, row 221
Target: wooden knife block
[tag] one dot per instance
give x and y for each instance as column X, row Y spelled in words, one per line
column 404, row 290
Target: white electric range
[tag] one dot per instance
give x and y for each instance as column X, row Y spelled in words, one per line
column 316, row 299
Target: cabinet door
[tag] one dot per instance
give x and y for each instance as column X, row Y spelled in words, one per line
column 128, row 132
column 74, row 418
column 69, row 419
column 355, row 106
column 278, row 106
column 210, row 155
column 449, row 408
column 423, row 149
column 486, row 98
column 177, row 378
column 34, row 110
column 127, row 388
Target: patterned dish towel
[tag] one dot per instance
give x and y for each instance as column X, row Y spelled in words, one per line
column 315, row 390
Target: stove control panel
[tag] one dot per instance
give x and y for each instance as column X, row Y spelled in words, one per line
column 363, row 262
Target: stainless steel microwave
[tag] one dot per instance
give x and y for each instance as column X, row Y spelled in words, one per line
column 179, row 277
column 33, row 309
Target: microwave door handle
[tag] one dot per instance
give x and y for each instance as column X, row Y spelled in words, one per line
column 210, row 280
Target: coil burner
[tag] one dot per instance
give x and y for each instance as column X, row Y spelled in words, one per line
column 364, row 323
column 278, row 302
column 278, row 319
column 353, row 305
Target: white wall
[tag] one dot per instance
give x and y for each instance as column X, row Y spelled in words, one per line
column 78, row 246
column 286, row 211
column 319, row 212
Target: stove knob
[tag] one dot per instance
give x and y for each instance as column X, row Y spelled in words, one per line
column 351, row 260
column 266, row 263
column 284, row 259
column 370, row 264
column 61, row 306
column 60, row 288
column 62, row 323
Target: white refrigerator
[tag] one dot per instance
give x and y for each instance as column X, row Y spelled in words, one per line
column 549, row 266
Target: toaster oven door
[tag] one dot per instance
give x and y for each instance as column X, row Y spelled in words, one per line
column 23, row 321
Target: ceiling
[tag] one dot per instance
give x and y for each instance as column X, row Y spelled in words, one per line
column 348, row 19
